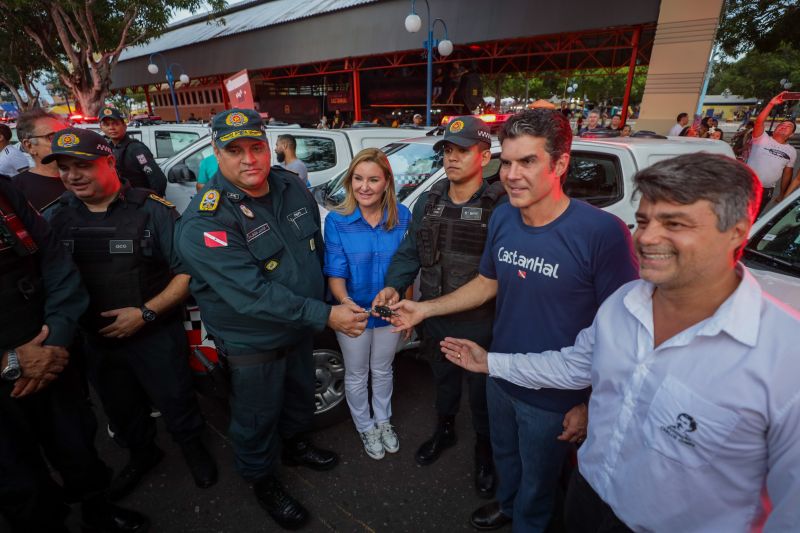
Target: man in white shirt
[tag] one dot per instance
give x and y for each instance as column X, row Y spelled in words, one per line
column 773, row 158
column 681, row 122
column 12, row 161
column 695, row 405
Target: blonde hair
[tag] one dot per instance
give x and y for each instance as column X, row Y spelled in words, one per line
column 389, row 201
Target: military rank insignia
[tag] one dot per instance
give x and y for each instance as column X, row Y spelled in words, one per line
column 161, row 200
column 312, row 244
column 271, row 265
column 210, row 201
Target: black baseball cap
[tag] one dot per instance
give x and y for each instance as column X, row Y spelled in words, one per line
column 80, row 143
column 235, row 124
column 111, row 112
column 465, row 131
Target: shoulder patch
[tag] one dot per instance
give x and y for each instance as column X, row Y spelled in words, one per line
column 209, row 202
column 161, row 200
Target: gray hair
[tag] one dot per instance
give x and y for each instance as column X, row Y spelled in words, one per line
column 731, row 187
column 26, row 122
column 549, row 124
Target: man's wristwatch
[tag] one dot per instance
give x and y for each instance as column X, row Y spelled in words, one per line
column 12, row 371
column 148, row 315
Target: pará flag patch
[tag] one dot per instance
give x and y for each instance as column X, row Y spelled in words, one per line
column 215, row 239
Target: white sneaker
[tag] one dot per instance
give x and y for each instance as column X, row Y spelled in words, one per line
column 388, row 437
column 372, row 443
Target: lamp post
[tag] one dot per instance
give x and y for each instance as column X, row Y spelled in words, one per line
column 445, row 48
column 152, row 68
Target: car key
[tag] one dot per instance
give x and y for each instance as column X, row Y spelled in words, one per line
column 383, row 311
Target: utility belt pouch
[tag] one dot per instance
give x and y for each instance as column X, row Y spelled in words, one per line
column 428, row 244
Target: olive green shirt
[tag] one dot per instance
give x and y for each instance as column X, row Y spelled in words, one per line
column 256, row 263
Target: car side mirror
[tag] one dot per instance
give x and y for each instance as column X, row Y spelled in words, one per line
column 180, row 173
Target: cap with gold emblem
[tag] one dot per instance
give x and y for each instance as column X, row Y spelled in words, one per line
column 235, row 124
column 78, row 142
column 111, row 112
column 465, row 131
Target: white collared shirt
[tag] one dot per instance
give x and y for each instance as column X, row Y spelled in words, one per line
column 683, row 437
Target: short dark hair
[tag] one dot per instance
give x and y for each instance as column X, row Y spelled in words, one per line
column 290, row 141
column 792, row 122
column 681, row 116
column 550, row 124
column 26, row 122
column 5, row 131
column 732, row 187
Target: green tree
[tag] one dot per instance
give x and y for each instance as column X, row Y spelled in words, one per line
column 20, row 68
column 81, row 40
column 758, row 24
column 758, row 74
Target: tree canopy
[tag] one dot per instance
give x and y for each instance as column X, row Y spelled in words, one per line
column 81, row 41
column 758, row 74
column 758, row 24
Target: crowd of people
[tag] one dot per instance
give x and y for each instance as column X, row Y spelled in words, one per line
column 656, row 354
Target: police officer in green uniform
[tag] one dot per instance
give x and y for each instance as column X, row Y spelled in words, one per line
column 121, row 239
column 444, row 244
column 253, row 245
column 134, row 160
column 43, row 405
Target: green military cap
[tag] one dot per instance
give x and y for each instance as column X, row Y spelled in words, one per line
column 235, row 124
column 111, row 112
column 80, row 143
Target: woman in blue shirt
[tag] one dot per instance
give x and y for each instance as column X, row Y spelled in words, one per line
column 361, row 236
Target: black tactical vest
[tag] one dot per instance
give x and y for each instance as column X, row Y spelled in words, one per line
column 450, row 244
column 115, row 256
column 21, row 288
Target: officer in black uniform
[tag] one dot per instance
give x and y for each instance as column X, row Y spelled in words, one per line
column 444, row 244
column 253, row 246
column 43, row 403
column 134, row 160
column 136, row 346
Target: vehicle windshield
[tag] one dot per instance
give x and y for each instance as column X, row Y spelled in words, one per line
column 777, row 244
column 412, row 164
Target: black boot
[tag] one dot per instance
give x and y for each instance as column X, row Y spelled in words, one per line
column 140, row 463
column 485, row 479
column 101, row 516
column 285, row 510
column 489, row 517
column 299, row 451
column 200, row 463
column 443, row 438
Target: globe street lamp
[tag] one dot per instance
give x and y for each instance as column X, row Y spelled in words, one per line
column 445, row 47
column 152, row 68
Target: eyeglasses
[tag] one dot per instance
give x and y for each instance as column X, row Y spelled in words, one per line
column 48, row 136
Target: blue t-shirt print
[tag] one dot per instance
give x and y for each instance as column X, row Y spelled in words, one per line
column 551, row 281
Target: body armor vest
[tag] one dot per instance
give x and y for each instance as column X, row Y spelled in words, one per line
column 450, row 243
column 115, row 256
column 21, row 287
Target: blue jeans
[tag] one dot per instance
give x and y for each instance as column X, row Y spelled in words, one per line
column 527, row 456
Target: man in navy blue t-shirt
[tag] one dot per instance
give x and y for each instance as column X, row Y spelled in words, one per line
column 550, row 261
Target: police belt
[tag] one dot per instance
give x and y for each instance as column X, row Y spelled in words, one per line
column 251, row 359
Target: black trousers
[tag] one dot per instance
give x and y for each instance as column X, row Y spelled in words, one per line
column 270, row 402
column 586, row 512
column 59, row 422
column 449, row 383
column 149, row 369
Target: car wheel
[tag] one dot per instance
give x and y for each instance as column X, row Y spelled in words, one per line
column 331, row 405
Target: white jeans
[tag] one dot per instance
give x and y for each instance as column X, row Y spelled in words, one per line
column 372, row 352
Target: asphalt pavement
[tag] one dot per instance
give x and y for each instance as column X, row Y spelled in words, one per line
column 361, row 494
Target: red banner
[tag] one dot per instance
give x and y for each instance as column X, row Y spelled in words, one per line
column 239, row 91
